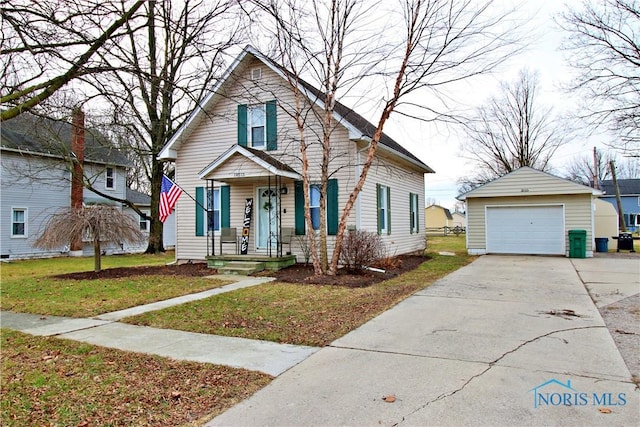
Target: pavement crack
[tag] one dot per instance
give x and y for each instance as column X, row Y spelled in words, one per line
column 491, row 365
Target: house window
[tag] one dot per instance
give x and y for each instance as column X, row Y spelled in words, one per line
column 110, row 178
column 144, row 224
column 257, row 126
column 633, row 220
column 213, row 206
column 384, row 209
column 18, row 222
column 413, row 212
column 314, row 205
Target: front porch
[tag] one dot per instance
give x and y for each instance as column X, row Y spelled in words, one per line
column 248, row 264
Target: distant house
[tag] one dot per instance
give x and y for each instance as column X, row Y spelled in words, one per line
column 239, row 154
column 459, row 219
column 35, row 180
column 630, row 198
column 437, row 217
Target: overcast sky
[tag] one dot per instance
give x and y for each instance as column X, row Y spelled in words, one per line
column 439, row 148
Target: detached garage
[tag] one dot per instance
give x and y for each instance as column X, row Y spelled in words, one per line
column 528, row 212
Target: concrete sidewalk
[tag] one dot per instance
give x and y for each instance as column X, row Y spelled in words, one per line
column 504, row 341
column 265, row 356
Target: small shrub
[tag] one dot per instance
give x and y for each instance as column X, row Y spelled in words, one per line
column 305, row 247
column 361, row 249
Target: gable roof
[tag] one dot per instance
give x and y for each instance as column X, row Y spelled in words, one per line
column 628, row 187
column 526, row 181
column 138, row 198
column 258, row 157
column 359, row 128
column 31, row 134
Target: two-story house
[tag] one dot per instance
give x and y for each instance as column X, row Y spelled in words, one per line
column 35, row 180
column 242, row 146
column 629, row 198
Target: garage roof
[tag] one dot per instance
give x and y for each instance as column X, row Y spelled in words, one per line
column 527, row 181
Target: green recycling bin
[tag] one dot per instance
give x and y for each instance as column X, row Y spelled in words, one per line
column 577, row 243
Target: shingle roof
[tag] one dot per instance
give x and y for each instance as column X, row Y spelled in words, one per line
column 628, row 187
column 138, row 198
column 38, row 135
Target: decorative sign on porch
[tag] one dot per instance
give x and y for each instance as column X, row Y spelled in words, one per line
column 246, row 226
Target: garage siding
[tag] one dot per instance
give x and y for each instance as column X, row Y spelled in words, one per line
column 577, row 216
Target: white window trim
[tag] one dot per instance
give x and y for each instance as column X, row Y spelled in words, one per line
column 250, row 110
column 106, row 178
column 148, row 223
column 26, row 222
column 313, row 206
column 414, row 212
column 384, row 204
column 219, row 200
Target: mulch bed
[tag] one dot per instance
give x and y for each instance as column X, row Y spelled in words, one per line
column 199, row 269
column 301, row 273
column 298, row 273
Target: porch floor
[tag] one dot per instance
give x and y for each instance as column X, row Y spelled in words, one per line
column 270, row 263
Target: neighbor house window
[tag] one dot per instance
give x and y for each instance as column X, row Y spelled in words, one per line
column 634, row 220
column 384, row 209
column 18, row 222
column 257, row 126
column 413, row 212
column 144, row 224
column 213, row 206
column 314, row 205
column 110, row 178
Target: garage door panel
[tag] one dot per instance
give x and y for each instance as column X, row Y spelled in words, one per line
column 525, row 230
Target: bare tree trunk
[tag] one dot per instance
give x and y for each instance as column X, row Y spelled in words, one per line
column 97, row 254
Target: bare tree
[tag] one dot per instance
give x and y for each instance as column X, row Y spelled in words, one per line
column 603, row 45
column 437, row 43
column 100, row 223
column 587, row 169
column 165, row 72
column 512, row 130
column 46, row 45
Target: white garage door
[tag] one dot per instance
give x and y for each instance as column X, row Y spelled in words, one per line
column 526, row 230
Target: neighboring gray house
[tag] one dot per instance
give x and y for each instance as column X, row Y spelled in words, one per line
column 143, row 202
column 35, row 180
column 629, row 197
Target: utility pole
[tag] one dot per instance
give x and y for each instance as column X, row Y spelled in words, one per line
column 596, row 178
column 621, row 224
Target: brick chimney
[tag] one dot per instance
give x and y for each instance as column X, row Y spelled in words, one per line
column 77, row 150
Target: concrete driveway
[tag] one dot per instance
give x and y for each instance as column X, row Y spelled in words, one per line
column 509, row 340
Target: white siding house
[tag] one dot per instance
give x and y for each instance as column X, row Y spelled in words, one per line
column 528, row 212
column 243, row 143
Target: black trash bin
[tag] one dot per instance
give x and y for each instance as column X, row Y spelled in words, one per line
column 625, row 242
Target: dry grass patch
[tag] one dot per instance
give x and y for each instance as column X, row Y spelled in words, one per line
column 56, row 382
column 303, row 314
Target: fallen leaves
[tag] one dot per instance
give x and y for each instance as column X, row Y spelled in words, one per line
column 604, row 410
column 389, row 398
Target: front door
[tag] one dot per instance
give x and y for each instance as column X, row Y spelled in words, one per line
column 267, row 223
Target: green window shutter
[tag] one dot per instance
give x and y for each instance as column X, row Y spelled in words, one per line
column 388, row 210
column 411, row 213
column 242, row 125
column 225, row 206
column 379, row 216
column 272, row 125
column 299, row 208
column 200, row 211
column 332, row 207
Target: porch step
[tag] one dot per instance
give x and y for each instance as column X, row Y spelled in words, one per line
column 242, row 267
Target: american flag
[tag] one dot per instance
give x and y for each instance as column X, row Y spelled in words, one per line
column 169, row 194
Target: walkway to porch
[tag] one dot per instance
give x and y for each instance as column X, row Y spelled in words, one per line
column 248, row 264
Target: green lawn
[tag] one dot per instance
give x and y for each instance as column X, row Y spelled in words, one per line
column 28, row 288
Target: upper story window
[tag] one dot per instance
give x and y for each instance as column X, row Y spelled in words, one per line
column 110, row 178
column 257, row 126
column 19, row 222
